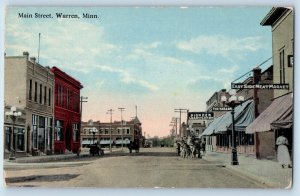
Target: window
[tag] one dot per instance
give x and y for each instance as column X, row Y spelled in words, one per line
column 41, row 133
column 41, row 93
column 48, row 133
column 56, row 94
column 35, row 91
column 128, row 131
column 45, row 95
column 19, row 139
column 7, row 138
column 34, row 131
column 281, row 66
column 30, row 90
column 58, row 134
column 75, row 132
column 49, row 97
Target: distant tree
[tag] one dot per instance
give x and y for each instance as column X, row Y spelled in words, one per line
column 155, row 141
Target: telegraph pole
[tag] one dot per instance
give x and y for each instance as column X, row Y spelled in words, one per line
column 110, row 112
column 122, row 109
column 180, row 110
column 82, row 100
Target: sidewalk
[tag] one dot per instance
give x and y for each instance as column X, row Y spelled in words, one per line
column 56, row 157
column 267, row 172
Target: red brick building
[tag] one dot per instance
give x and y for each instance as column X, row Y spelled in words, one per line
column 66, row 112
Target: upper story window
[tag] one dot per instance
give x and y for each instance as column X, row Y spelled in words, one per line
column 281, row 66
column 35, row 91
column 45, row 95
column 41, row 93
column 49, row 97
column 30, row 90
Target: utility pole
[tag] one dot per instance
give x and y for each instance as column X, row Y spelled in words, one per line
column 82, row 100
column 110, row 112
column 180, row 110
column 174, row 124
column 122, row 109
column 39, row 48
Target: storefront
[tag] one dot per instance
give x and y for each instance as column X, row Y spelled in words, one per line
column 276, row 119
column 219, row 132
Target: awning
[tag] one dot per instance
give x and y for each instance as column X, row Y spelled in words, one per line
column 126, row 141
column 241, row 113
column 86, row 142
column 210, row 129
column 104, row 141
column 277, row 115
column 243, row 117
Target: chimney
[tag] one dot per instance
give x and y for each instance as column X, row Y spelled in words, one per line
column 256, row 75
column 256, row 79
column 26, row 54
column 33, row 59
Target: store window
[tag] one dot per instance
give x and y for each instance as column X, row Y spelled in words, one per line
column 41, row 133
column 75, row 132
column 58, row 134
column 34, row 130
column 19, row 139
column 7, row 137
column 49, row 133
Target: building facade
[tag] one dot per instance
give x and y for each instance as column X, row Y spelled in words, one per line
column 29, row 87
column 67, row 118
column 277, row 119
column 220, row 136
column 107, row 134
column 281, row 21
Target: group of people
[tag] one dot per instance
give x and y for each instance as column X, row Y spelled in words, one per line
column 190, row 146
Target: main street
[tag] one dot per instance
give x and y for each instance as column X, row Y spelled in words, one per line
column 152, row 167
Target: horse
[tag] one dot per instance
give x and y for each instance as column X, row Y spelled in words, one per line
column 194, row 146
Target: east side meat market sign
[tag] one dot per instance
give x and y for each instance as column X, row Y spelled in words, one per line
column 259, row 86
column 200, row 115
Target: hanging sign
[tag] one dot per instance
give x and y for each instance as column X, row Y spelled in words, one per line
column 200, row 115
column 259, row 86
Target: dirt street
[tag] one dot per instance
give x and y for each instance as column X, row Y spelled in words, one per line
column 152, row 167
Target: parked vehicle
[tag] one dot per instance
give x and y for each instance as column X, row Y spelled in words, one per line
column 96, row 150
column 135, row 145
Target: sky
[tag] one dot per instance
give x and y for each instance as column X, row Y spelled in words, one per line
column 155, row 58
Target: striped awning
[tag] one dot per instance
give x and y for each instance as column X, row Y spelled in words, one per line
column 243, row 117
column 278, row 115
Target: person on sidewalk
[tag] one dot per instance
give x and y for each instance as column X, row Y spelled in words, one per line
column 283, row 155
column 203, row 145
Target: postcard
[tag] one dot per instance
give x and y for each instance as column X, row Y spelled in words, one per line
column 149, row 97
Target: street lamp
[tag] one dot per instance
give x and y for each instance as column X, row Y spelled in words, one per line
column 232, row 102
column 94, row 131
column 13, row 114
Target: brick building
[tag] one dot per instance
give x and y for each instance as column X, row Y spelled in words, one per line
column 111, row 133
column 67, row 117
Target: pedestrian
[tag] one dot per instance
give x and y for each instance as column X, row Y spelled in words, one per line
column 283, row 155
column 203, row 145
